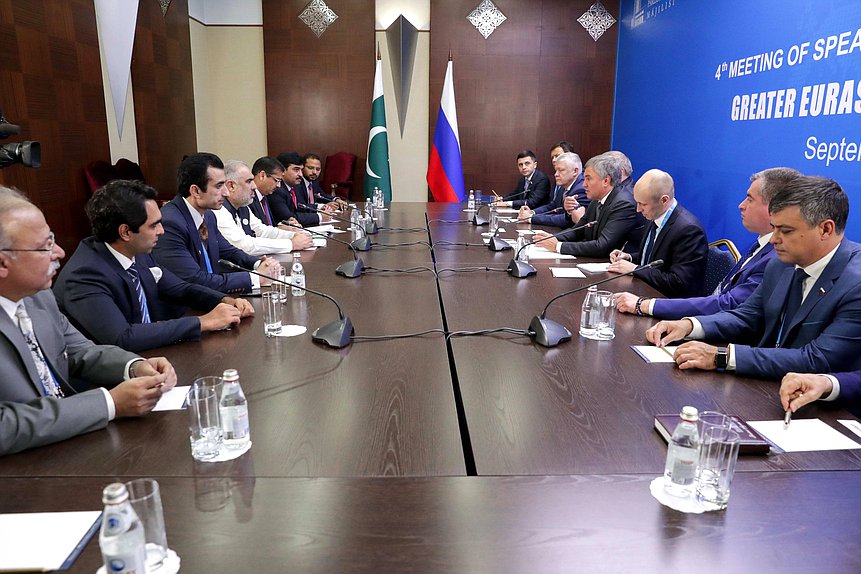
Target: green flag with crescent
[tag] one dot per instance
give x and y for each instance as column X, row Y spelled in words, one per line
column 377, row 172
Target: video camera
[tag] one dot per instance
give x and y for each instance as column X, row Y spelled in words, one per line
column 28, row 153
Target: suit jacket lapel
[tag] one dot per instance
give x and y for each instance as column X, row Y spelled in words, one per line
column 10, row 330
column 124, row 276
column 773, row 307
column 663, row 232
column 822, row 286
column 41, row 321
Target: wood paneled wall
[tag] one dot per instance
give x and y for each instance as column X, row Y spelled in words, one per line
column 51, row 85
column 539, row 78
column 163, row 92
column 318, row 90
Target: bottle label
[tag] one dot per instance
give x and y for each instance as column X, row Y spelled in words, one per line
column 125, row 564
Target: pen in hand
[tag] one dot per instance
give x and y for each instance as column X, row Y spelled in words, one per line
column 787, row 418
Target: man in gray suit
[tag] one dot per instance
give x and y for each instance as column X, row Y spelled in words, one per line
column 45, row 361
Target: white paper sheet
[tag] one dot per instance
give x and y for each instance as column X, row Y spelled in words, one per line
column 24, row 545
column 507, row 210
column 804, row 435
column 526, row 231
column 652, row 354
column 491, row 233
column 319, row 241
column 594, row 267
column 322, row 228
column 173, row 400
column 567, row 272
column 852, row 425
column 536, row 252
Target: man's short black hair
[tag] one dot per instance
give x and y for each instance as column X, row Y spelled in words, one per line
column 193, row 171
column 527, row 153
column 121, row 201
column 567, row 147
column 308, row 156
column 268, row 164
column 290, row 158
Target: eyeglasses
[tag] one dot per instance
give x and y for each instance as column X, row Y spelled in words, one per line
column 49, row 246
column 277, row 179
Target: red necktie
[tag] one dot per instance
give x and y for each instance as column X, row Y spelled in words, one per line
column 293, row 194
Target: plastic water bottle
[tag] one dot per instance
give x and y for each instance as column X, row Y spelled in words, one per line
column 379, row 198
column 121, row 538
column 470, row 203
column 588, row 319
column 297, row 276
column 234, row 411
column 521, row 249
column 682, row 455
column 494, row 220
column 354, row 219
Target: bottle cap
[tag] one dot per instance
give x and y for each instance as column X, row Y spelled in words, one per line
column 230, row 375
column 690, row 414
column 115, row 493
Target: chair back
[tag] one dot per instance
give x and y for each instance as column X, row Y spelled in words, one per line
column 99, row 172
column 721, row 258
column 338, row 174
column 128, row 169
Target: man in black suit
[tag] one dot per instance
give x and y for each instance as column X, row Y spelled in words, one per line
column 286, row 203
column 114, row 292
column 533, row 188
column 311, row 169
column 674, row 235
column 612, row 210
column 268, row 174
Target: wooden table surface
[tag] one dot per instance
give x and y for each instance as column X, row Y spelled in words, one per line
column 361, row 455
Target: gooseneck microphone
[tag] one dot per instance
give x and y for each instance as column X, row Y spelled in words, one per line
column 499, row 244
column 521, row 269
column 550, row 333
column 361, row 244
column 336, row 334
column 351, row 269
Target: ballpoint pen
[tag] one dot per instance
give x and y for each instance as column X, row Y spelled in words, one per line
column 787, row 418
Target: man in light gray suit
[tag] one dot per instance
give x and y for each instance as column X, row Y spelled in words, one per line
column 44, row 361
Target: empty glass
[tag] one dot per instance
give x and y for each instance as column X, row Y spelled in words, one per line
column 272, row 313
column 716, row 466
column 598, row 317
column 145, row 498
column 204, row 420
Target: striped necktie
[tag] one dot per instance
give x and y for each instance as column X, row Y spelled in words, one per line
column 136, row 281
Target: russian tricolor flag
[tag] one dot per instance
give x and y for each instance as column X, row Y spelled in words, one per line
column 445, row 169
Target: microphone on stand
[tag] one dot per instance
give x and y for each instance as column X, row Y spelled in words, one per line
column 361, row 244
column 499, row 244
column 521, row 269
column 550, row 333
column 351, row 269
column 336, row 334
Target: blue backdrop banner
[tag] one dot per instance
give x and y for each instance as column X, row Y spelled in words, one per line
column 712, row 92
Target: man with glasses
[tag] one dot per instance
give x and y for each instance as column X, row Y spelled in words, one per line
column 44, row 359
column 192, row 246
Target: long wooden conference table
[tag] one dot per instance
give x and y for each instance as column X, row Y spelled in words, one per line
column 469, row 454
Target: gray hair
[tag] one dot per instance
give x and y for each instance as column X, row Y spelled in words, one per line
column 817, row 198
column 10, row 200
column 773, row 179
column 572, row 159
column 232, row 167
column 623, row 162
column 605, row 165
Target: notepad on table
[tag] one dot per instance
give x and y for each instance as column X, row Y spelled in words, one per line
column 567, row 272
column 25, row 546
column 653, row 354
column 803, row 435
column 594, row 267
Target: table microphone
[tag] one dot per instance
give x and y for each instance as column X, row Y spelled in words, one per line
column 351, row 269
column 550, row 333
column 336, row 334
column 521, row 269
column 499, row 244
column 361, row 244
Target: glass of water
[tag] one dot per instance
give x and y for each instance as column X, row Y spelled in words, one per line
column 204, row 419
column 272, row 313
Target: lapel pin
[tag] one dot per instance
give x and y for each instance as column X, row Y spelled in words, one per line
column 821, row 291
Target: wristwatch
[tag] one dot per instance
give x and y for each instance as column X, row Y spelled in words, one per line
column 721, row 358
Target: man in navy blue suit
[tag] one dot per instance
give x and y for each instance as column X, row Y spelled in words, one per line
column 533, row 187
column 799, row 389
column 805, row 316
column 674, row 235
column 114, row 292
column 311, row 169
column 192, row 245
column 568, row 176
column 746, row 274
column 289, row 198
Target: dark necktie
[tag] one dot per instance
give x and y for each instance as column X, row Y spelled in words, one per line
column 310, row 193
column 791, row 305
column 649, row 246
column 136, row 281
column 266, row 215
column 729, row 280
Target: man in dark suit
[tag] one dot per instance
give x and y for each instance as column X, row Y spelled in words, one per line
column 268, row 174
column 568, row 175
column 311, row 169
column 744, row 277
column 674, row 235
column 805, row 317
column 533, row 188
column 612, row 213
column 286, row 203
column 44, row 359
column 114, row 292
column 192, row 245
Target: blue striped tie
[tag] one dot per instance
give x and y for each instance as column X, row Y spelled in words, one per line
column 136, row 281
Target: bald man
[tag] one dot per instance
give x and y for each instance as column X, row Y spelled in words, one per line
column 673, row 234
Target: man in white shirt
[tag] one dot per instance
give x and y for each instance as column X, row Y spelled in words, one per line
column 242, row 228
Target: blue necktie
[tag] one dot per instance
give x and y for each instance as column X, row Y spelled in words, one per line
column 204, row 235
column 729, row 279
column 650, row 244
column 792, row 304
column 136, row 281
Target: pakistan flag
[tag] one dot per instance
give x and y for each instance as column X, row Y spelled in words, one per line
column 377, row 166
